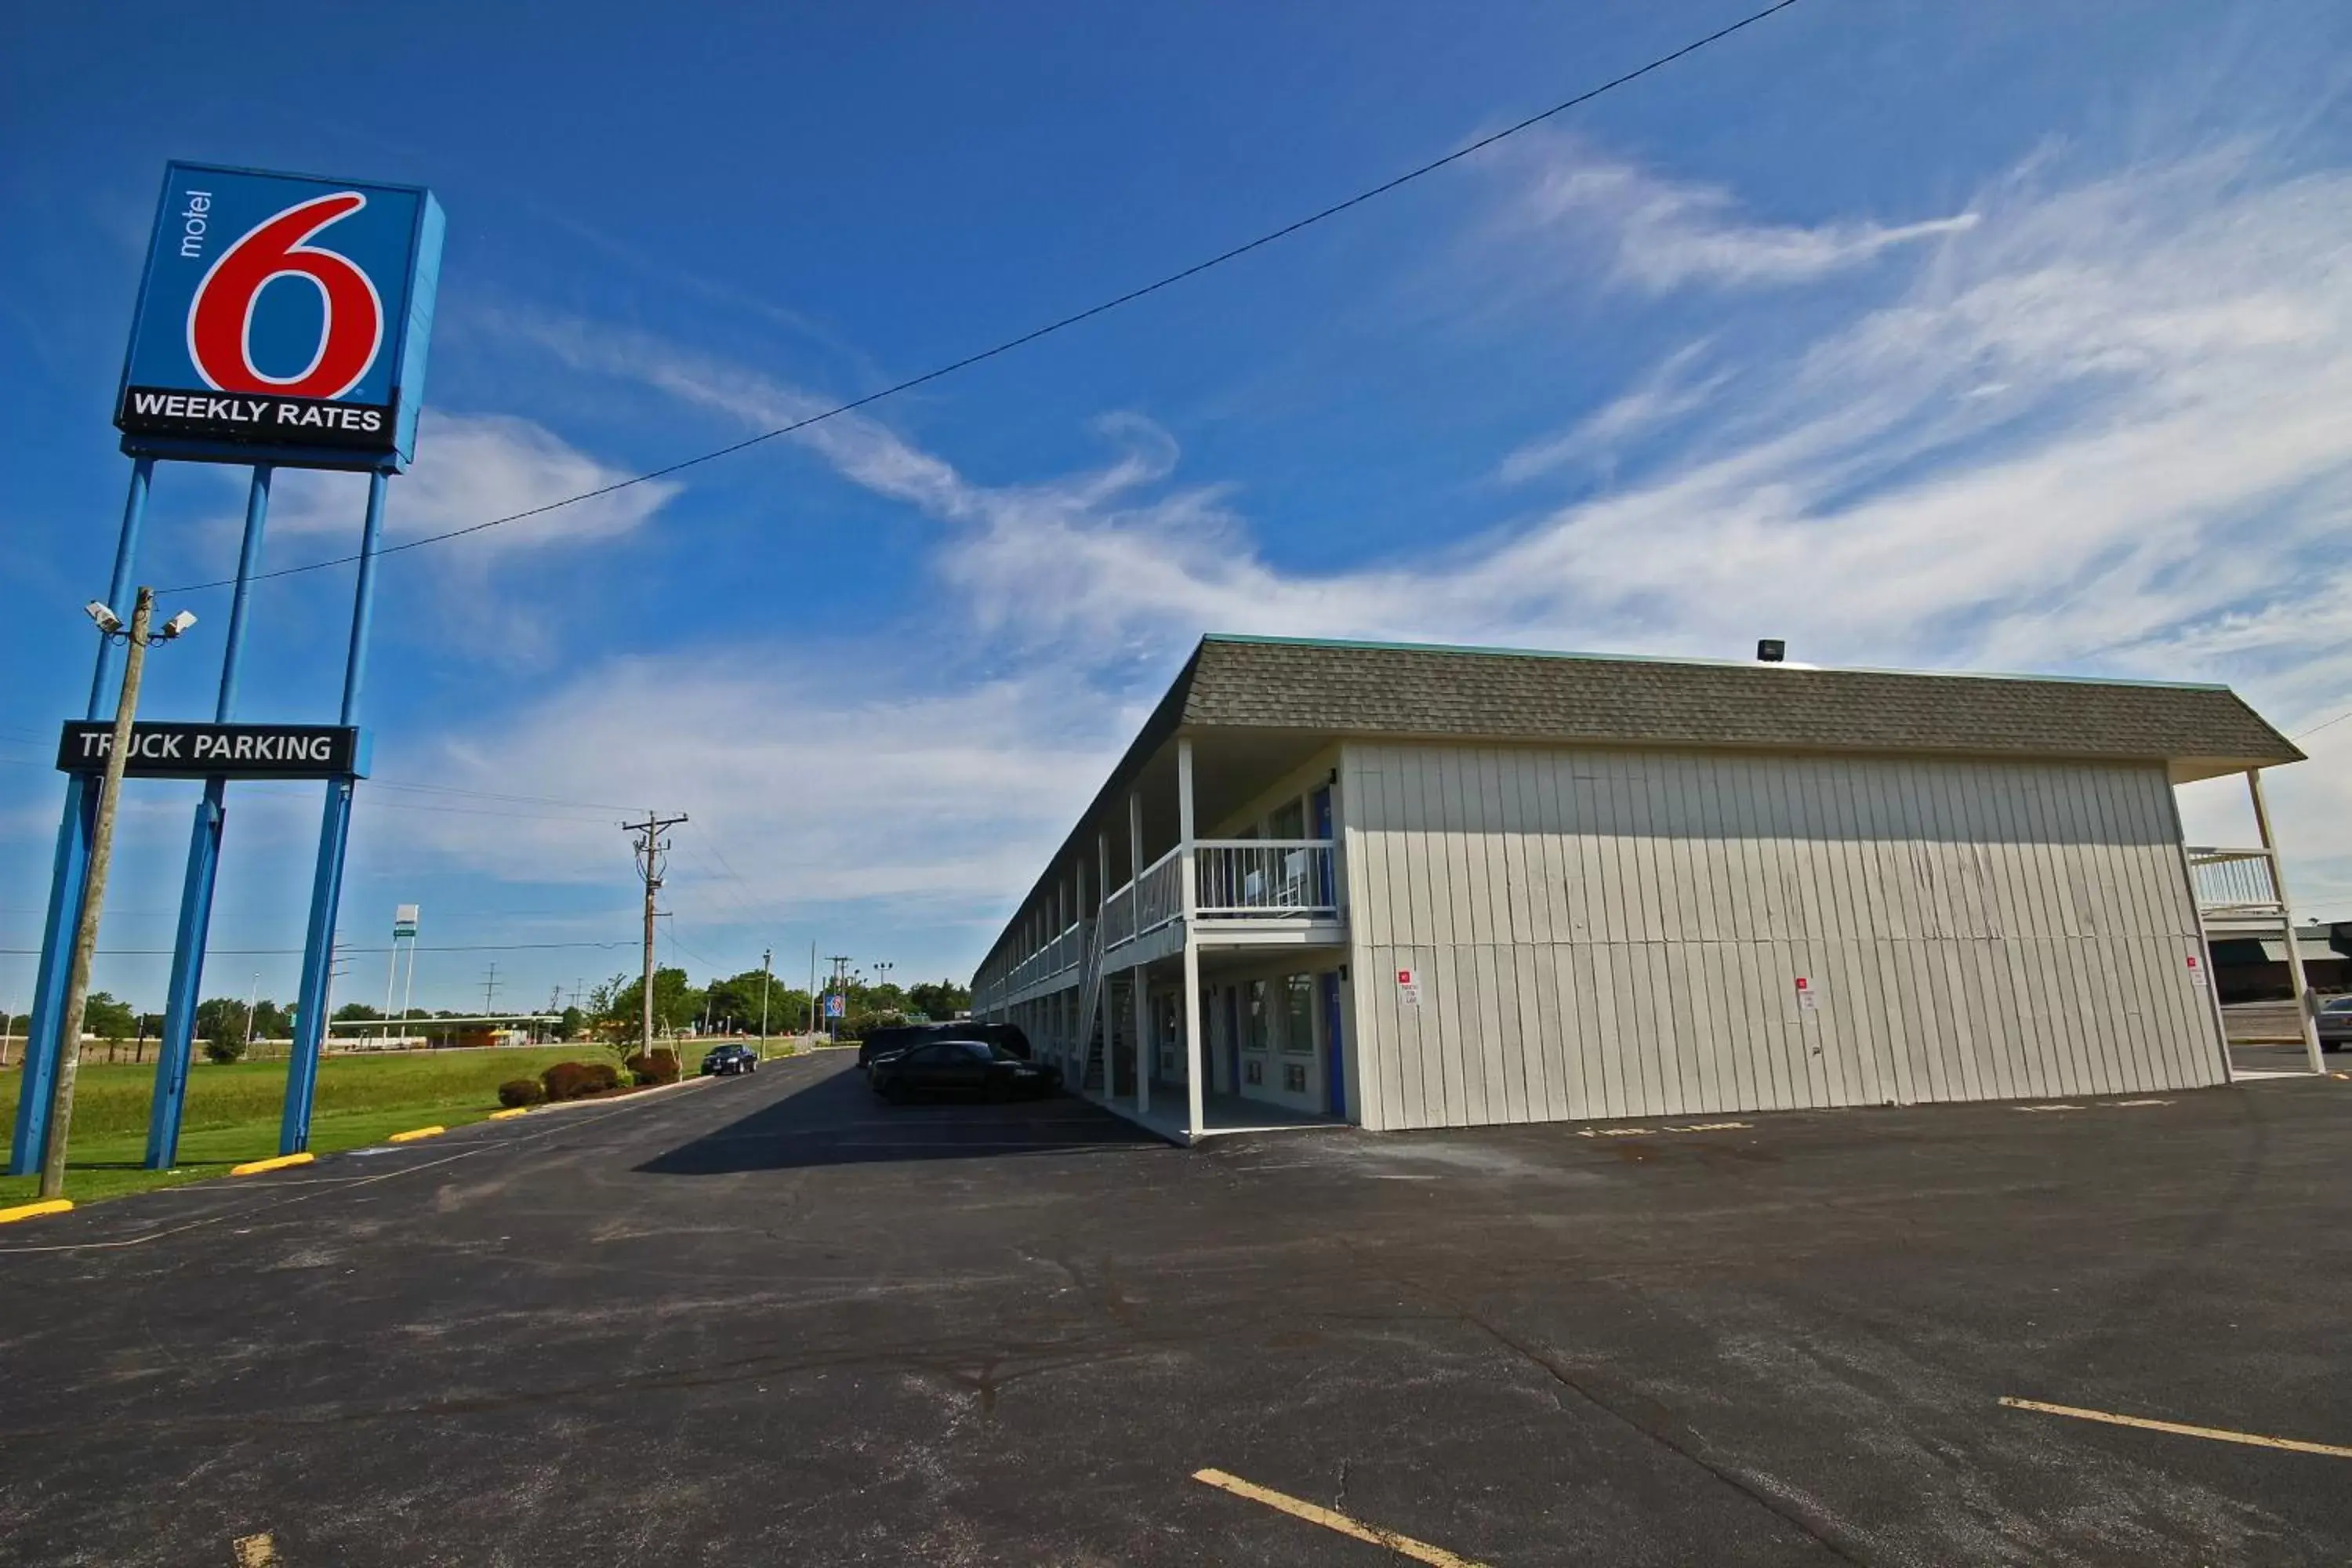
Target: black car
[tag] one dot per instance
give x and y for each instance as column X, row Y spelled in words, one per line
column 960, row 1067
column 2334, row 1022
column 721, row 1061
column 900, row 1036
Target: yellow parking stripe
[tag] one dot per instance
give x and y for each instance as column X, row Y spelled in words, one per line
column 414, row 1133
column 510, row 1114
column 255, row 1167
column 33, row 1211
column 2218, row 1433
column 1403, row 1545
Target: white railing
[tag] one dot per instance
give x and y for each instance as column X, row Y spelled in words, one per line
column 1267, row 878
column 1119, row 916
column 2234, row 881
column 1159, row 892
column 1257, row 878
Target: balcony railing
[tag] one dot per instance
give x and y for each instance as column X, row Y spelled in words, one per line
column 2234, row 881
column 1264, row 877
column 1235, row 879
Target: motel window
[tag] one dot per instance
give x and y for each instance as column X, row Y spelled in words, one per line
column 1288, row 821
column 1260, row 1021
column 1298, row 1015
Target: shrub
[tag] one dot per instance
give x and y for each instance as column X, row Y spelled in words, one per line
column 575, row 1080
column 658, row 1068
column 861, row 1025
column 227, row 1050
column 520, row 1091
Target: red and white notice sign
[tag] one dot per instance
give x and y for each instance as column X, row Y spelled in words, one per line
column 1409, row 987
column 1808, row 999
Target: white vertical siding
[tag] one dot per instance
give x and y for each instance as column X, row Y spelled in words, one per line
column 1604, row 933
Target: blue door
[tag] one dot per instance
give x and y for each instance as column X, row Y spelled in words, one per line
column 1233, row 1039
column 1335, row 1069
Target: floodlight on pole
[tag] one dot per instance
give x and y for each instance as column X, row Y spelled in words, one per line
column 93, row 899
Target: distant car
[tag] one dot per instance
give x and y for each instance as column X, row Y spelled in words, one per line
column 723, row 1061
column 900, row 1036
column 2334, row 1022
column 960, row 1067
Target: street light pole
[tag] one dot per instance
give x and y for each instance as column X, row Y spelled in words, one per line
column 102, row 849
column 767, row 963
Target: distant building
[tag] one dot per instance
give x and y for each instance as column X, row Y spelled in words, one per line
column 1422, row 886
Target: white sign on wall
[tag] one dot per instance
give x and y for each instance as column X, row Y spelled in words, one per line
column 1808, row 999
column 1409, row 987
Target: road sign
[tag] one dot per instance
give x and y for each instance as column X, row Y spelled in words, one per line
column 169, row 751
column 284, row 318
column 833, row 1007
column 404, row 922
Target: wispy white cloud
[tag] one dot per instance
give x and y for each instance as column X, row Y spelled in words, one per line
column 1658, row 234
column 1661, row 397
column 469, row 468
column 2093, row 427
column 827, row 783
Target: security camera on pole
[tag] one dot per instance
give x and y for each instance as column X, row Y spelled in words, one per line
column 101, row 851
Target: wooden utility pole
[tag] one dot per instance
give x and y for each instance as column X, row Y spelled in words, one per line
column 653, row 859
column 101, row 847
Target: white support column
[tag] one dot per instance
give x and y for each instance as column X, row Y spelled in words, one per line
column 1136, row 989
column 1188, row 894
column 2286, row 914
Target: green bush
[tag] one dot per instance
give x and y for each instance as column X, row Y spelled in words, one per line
column 577, row 1080
column 859, row 1026
column 224, row 1050
column 652, row 1070
column 520, row 1091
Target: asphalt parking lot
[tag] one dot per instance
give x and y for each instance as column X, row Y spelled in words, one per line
column 768, row 1320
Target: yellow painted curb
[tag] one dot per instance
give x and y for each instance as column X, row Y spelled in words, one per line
column 414, row 1133
column 255, row 1167
column 510, row 1114
column 33, row 1211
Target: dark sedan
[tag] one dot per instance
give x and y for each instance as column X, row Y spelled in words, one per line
column 2335, row 1021
column 897, row 1037
column 961, row 1068
column 724, row 1061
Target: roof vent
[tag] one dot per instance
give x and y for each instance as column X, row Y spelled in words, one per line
column 1770, row 650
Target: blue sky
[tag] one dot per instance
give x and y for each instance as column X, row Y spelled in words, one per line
column 1998, row 337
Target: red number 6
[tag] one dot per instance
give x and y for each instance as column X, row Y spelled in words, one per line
column 220, row 320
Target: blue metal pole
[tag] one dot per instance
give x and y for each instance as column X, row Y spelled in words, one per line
column 317, row 955
column 29, row 1144
column 172, row 1056
column 334, row 839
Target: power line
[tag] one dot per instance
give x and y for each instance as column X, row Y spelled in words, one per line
column 2325, row 724
column 1009, row 344
column 339, row 947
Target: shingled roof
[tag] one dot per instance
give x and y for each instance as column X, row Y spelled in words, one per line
column 1390, row 689
column 1235, row 685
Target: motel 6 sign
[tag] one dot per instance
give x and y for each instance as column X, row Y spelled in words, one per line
column 282, row 318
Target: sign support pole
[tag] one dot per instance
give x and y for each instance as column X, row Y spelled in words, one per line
column 334, row 839
column 169, row 1099
column 30, row 1142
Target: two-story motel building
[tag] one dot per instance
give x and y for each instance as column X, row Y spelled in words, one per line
column 1414, row 887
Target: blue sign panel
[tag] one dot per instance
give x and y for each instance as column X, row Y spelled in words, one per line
column 282, row 318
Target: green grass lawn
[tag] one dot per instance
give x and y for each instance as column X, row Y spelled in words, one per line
column 232, row 1111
